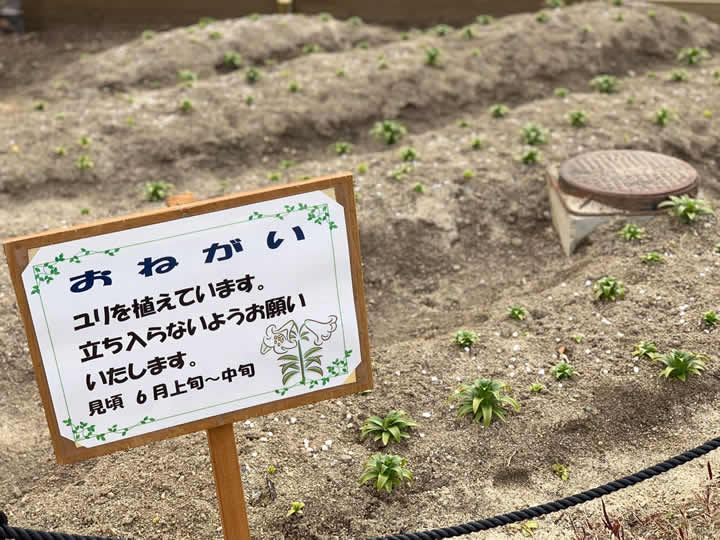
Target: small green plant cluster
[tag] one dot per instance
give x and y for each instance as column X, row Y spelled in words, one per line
column 468, row 174
column 355, row 20
column 609, row 288
column 499, row 111
column 530, row 156
column 432, row 55
column 606, row 84
column 577, row 118
column 542, row 17
column 710, row 318
column 419, row 188
column 561, row 471
column 680, row 364
column 157, row 191
column 409, row 154
column 563, row 370
column 631, row 232
column 561, row 92
column 252, row 75
column 678, row 75
column 653, row 257
column 296, row 508
column 686, row 208
column 232, row 60
column 310, row 48
column 533, row 134
column 188, row 77
column 442, row 30
column 465, row 338
column 476, row 143
column 537, row 387
column 392, row 428
column 389, row 131
column 663, row 116
column 693, row 55
column 401, row 172
column 482, row 399
column 386, row 471
column 645, row 349
column 342, row 148
column 293, row 87
column 555, row 4
column 519, row 313
column 186, row 106
column 484, row 19
column 84, row 163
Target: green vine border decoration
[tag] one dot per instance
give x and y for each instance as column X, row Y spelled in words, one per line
column 45, row 272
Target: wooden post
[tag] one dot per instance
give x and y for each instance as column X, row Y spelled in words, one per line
column 224, row 458
column 228, row 484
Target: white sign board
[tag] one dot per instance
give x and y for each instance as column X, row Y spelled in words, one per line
column 156, row 326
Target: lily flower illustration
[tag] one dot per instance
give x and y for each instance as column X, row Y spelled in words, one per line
column 280, row 340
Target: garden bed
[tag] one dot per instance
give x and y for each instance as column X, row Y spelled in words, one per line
column 450, row 240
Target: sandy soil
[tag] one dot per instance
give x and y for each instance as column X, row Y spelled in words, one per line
column 454, row 257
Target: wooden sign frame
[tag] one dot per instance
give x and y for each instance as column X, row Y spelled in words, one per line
column 18, row 250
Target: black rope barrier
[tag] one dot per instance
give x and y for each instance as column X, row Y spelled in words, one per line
column 560, row 504
column 17, row 533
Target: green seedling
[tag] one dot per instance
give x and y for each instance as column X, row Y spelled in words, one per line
column 274, row 176
column 651, row 74
column 686, row 208
column 409, row 154
column 652, row 257
column 60, row 116
column 619, row 17
column 577, row 118
column 531, row 156
column 392, row 428
column 555, row 4
column 663, row 116
column 693, row 55
column 362, row 45
column 442, row 30
column 84, row 163
column 586, row 29
column 325, row 17
column 499, row 111
column 286, row 163
column 617, row 3
column 362, row 168
column 608, row 288
column 296, row 508
column 389, row 131
column 465, row 338
column 186, row 106
column 482, row 400
column 84, row 211
column 631, row 232
column 707, row 113
column 342, row 148
column 85, row 141
column 249, row 101
column 630, row 100
column 60, row 151
column 463, row 123
column 157, row 191
column 271, row 469
column 310, row 48
column 148, row 34
column 652, row 13
column 561, row 471
column 716, row 248
column 130, row 122
column 432, row 55
column 382, row 62
column 468, row 33
column 188, row 77
column 293, row 87
column 533, row 134
column 563, row 370
column 468, row 174
column 233, row 60
column 684, row 18
column 386, row 471
column 710, row 318
column 577, row 338
column 519, row 313
column 40, row 106
column 419, row 188
column 606, row 84
column 680, row 364
column 355, row 21
column 484, row 19
column 215, row 35
column 476, row 143
column 205, row 21
column 678, row 75
column 542, row 17
column 401, row 172
column 252, row 75
column 537, row 387
column 561, row 92
column 645, row 349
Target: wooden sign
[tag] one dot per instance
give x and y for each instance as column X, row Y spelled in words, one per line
column 194, row 317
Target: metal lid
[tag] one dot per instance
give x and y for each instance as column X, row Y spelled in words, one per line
column 630, row 179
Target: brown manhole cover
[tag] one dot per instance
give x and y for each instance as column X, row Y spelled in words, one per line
column 629, row 179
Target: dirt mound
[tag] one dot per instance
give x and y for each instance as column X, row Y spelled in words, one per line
column 450, row 239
